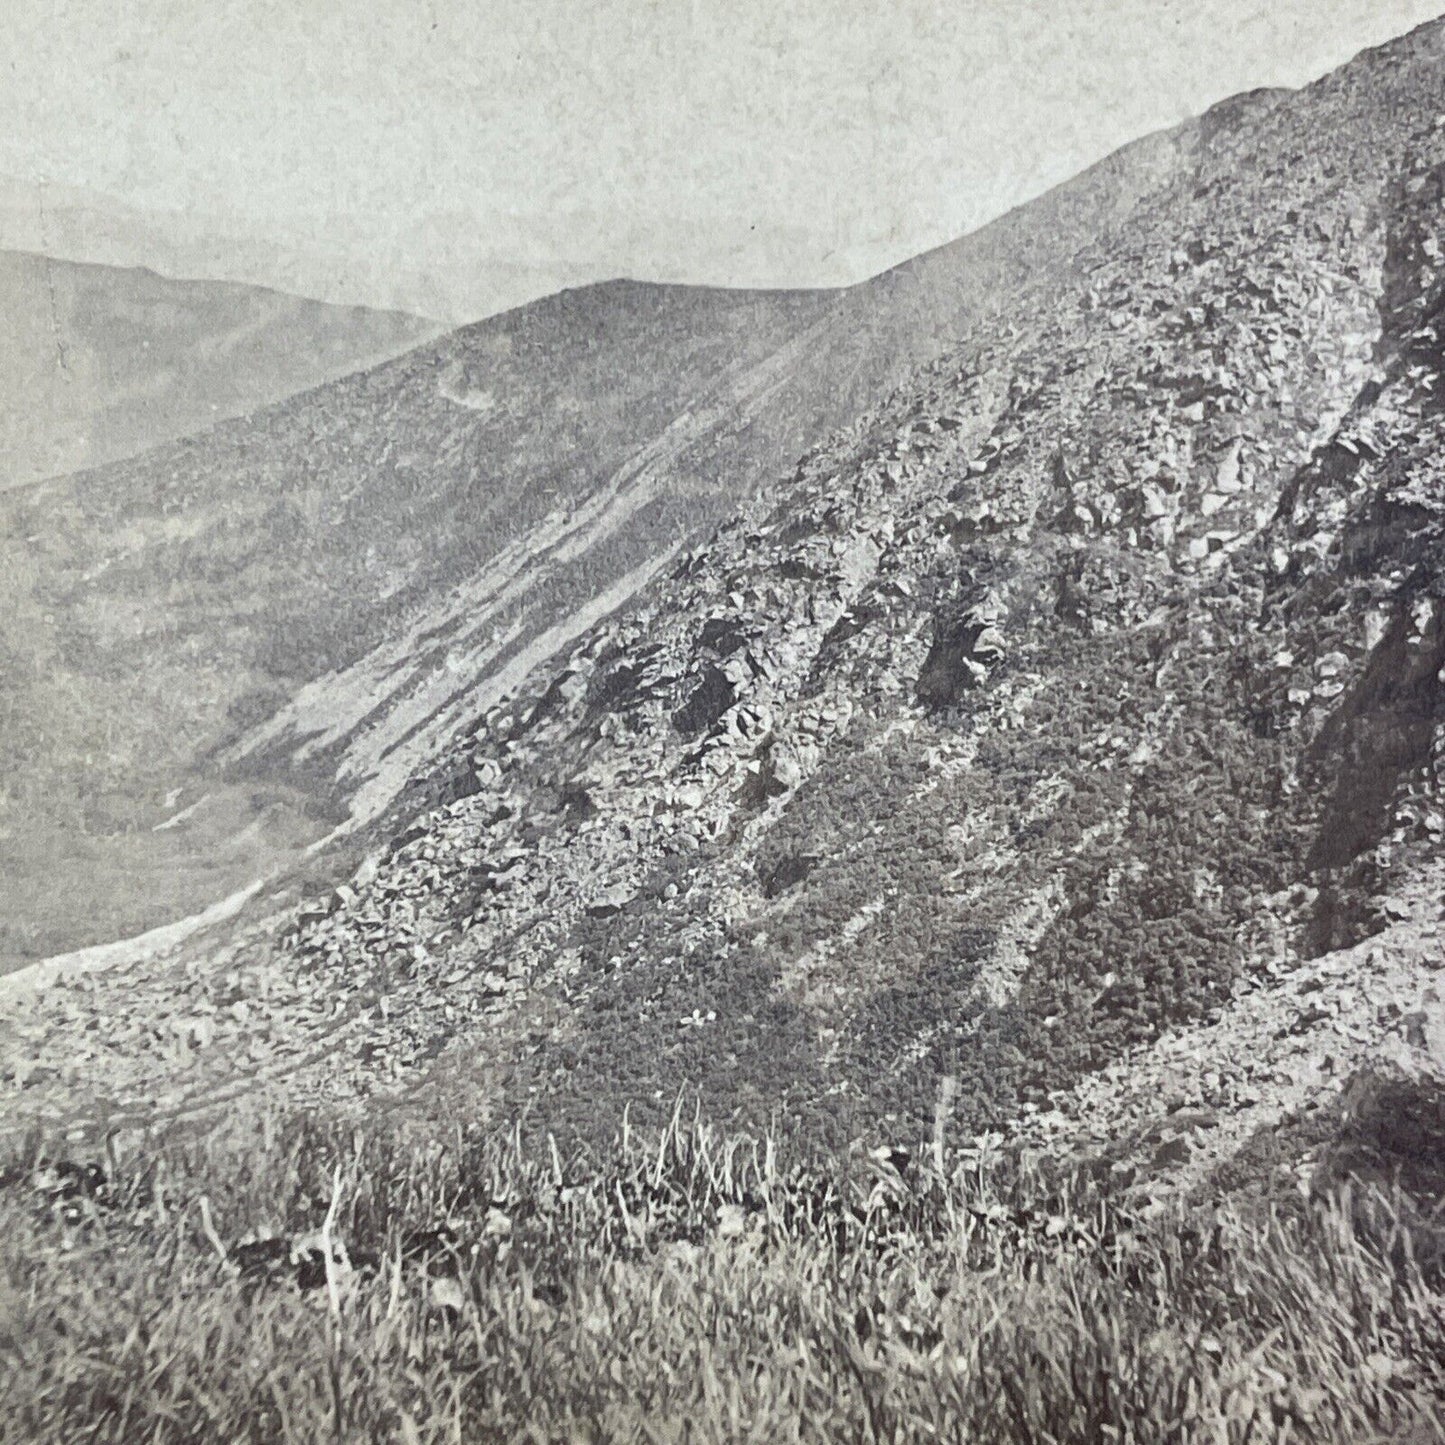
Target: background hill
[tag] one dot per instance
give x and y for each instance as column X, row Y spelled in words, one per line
column 102, row 362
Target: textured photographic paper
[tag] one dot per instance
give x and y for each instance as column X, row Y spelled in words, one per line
column 722, row 722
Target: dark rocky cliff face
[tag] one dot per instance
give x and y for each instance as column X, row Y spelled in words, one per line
column 1093, row 674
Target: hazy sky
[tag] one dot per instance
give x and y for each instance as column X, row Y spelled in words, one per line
column 490, row 147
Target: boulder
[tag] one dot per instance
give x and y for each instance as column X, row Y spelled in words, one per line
column 1227, row 478
column 959, row 659
column 1392, row 1126
column 989, row 646
column 609, row 903
column 712, row 695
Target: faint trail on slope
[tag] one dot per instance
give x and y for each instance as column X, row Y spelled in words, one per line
column 145, row 947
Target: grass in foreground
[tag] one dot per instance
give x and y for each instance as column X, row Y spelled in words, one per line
column 690, row 1288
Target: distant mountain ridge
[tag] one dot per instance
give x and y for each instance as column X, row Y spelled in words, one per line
column 104, row 362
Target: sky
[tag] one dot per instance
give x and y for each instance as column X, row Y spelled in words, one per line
column 456, row 156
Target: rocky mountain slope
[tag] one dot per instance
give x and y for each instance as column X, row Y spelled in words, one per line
column 103, row 362
column 159, row 610
column 224, row 651
column 1074, row 709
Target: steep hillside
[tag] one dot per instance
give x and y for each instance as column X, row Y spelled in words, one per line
column 218, row 653
column 103, row 362
column 157, row 609
column 1083, row 689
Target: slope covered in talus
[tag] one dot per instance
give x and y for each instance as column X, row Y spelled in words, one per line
column 1089, row 680
column 1096, row 673
column 156, row 610
column 218, row 652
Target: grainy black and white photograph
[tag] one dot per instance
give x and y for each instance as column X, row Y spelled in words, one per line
column 722, row 722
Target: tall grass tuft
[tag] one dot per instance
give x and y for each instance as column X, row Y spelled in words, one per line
column 690, row 1286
